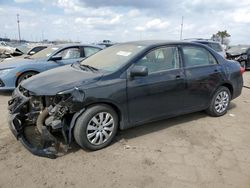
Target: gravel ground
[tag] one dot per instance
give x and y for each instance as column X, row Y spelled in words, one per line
column 193, row 150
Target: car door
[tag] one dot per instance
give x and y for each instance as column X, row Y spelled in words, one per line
column 203, row 74
column 160, row 92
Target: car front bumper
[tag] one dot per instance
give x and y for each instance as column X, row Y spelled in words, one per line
column 28, row 134
column 18, row 131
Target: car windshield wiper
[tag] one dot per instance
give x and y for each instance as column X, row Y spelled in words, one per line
column 88, row 67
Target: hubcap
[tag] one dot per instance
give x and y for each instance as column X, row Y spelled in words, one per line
column 100, row 128
column 27, row 76
column 221, row 102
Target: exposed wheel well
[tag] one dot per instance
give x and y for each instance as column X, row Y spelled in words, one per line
column 23, row 74
column 230, row 87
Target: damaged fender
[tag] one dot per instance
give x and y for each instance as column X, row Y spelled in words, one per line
column 36, row 121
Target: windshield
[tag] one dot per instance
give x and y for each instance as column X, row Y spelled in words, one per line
column 114, row 57
column 44, row 53
column 237, row 49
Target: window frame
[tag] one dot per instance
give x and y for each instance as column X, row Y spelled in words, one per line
column 83, row 50
column 159, row 47
column 77, row 47
column 194, row 46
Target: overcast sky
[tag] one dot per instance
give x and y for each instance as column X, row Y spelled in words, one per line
column 124, row 20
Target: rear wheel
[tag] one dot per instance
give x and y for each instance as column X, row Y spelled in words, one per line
column 25, row 76
column 96, row 127
column 220, row 102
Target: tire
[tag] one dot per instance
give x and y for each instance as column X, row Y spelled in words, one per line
column 89, row 124
column 25, row 76
column 218, row 107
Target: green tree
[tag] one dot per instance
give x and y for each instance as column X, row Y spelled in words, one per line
column 221, row 36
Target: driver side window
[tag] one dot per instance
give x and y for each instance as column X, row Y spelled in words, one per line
column 161, row 59
column 70, row 53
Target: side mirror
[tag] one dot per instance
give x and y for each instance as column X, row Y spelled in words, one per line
column 31, row 53
column 56, row 58
column 139, row 71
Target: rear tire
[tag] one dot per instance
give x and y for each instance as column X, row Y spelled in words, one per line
column 220, row 102
column 96, row 127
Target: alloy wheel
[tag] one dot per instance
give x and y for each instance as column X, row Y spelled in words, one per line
column 221, row 102
column 100, row 128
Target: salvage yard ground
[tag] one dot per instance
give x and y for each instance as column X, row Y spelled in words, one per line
column 193, row 150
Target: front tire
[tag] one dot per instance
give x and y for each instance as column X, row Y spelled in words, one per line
column 220, row 102
column 96, row 127
column 25, row 76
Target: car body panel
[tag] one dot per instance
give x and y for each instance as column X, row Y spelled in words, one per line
column 136, row 100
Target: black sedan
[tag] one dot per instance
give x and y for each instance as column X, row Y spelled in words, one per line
column 120, row 87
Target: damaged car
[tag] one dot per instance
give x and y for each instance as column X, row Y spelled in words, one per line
column 14, row 71
column 240, row 53
column 120, row 87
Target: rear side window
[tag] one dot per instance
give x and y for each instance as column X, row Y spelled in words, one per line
column 160, row 59
column 70, row 53
column 215, row 46
column 88, row 51
column 197, row 56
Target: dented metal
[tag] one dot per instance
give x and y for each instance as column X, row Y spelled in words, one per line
column 48, row 117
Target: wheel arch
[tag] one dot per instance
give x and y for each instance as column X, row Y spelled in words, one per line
column 230, row 87
column 21, row 73
column 110, row 104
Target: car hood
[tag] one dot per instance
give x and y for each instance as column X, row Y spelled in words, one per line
column 15, row 62
column 53, row 81
column 235, row 53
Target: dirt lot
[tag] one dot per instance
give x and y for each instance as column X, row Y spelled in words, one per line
column 194, row 150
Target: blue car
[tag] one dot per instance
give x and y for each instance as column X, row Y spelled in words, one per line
column 13, row 71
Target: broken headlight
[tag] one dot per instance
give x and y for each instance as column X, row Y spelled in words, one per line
column 75, row 94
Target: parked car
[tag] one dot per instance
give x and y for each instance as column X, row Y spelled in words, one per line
column 14, row 71
column 36, row 49
column 106, row 43
column 216, row 46
column 120, row 87
column 240, row 53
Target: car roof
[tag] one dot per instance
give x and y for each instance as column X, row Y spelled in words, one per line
column 150, row 43
column 76, row 45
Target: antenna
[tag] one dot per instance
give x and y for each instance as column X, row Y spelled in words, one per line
column 18, row 25
column 182, row 19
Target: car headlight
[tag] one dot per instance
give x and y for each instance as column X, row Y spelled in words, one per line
column 4, row 72
column 75, row 93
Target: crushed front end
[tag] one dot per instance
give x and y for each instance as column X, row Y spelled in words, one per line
column 44, row 124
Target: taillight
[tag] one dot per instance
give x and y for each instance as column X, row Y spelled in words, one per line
column 242, row 70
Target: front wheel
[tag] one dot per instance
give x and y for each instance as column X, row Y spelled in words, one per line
column 220, row 102
column 96, row 127
column 25, row 76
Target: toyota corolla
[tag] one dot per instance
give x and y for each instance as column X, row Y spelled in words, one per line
column 120, row 87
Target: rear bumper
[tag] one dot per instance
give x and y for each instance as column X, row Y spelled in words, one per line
column 18, row 131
